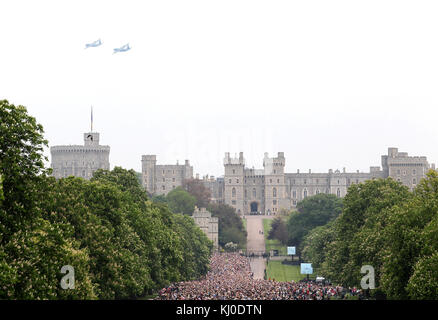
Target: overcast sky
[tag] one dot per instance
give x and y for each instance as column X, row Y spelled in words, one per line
column 332, row 84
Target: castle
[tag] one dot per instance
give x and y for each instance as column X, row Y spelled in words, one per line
column 248, row 190
column 80, row 161
column 270, row 189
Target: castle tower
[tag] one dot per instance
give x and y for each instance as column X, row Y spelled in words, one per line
column 80, row 160
column 275, row 184
column 234, row 182
column 148, row 163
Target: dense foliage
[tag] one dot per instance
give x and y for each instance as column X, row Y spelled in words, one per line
column 120, row 244
column 386, row 226
column 312, row 212
column 278, row 230
column 180, row 201
column 231, row 228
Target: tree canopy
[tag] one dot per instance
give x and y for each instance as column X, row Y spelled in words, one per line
column 312, row 212
column 120, row 244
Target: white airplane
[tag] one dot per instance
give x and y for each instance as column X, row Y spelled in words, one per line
column 124, row 48
column 93, row 44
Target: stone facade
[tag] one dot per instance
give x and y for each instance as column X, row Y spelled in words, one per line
column 208, row 224
column 270, row 189
column 161, row 179
column 80, row 161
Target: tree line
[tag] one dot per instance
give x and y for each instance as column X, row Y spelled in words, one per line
column 121, row 244
column 380, row 223
column 193, row 193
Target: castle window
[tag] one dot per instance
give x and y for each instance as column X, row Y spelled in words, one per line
column 274, row 202
column 294, row 194
column 254, row 193
column 414, row 181
column 357, row 180
column 229, row 181
column 338, row 193
column 294, row 202
column 83, row 173
column 163, row 171
column 305, row 181
column 173, row 187
column 404, row 172
column 317, row 191
column 398, row 171
column 234, row 171
column 233, row 192
column 278, row 180
column 293, row 181
column 233, row 202
column 305, row 193
column 275, row 171
column 270, row 180
column 173, row 179
column 246, row 193
column 327, row 191
column 274, row 192
column 414, row 172
column 237, row 180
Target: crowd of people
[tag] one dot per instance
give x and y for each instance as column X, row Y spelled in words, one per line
column 230, row 278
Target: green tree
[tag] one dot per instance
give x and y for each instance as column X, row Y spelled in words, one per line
column 278, row 231
column 359, row 238
column 197, row 248
column 180, row 201
column 412, row 244
column 312, row 212
column 315, row 244
column 21, row 161
column 230, row 226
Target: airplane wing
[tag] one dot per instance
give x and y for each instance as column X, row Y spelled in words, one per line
column 93, row 44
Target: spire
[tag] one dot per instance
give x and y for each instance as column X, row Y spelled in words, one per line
column 91, row 118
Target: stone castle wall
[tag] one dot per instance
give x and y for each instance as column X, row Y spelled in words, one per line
column 80, row 160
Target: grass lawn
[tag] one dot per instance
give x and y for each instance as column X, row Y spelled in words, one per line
column 272, row 244
column 283, row 272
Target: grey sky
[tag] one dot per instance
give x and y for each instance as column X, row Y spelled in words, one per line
column 330, row 83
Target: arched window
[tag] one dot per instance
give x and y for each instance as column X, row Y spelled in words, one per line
column 246, row 193
column 274, row 192
column 294, row 194
column 338, row 193
column 233, row 192
column 254, row 193
column 305, row 193
column 317, row 191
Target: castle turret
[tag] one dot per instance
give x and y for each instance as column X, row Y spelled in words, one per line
column 234, row 181
column 148, row 163
column 275, row 184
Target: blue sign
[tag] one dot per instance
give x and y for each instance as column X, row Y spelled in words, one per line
column 306, row 268
column 290, row 251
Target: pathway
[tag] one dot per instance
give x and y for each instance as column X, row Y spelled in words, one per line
column 256, row 243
